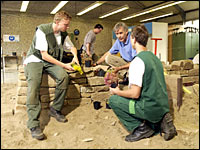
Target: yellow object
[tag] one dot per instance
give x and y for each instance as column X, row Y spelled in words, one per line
column 77, row 68
column 186, row 90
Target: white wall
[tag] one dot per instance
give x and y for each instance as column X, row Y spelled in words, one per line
column 160, row 30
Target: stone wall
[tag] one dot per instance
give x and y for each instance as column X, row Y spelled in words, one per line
column 82, row 89
column 188, row 71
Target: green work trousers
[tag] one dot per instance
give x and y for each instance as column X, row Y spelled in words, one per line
column 130, row 116
column 33, row 72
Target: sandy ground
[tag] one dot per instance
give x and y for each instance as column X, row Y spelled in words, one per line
column 86, row 129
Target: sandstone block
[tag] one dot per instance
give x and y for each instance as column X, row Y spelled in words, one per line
column 22, row 83
column 22, row 91
column 21, row 100
column 73, row 91
column 85, row 95
column 187, row 64
column 96, row 81
column 100, row 96
column 193, row 72
column 88, row 89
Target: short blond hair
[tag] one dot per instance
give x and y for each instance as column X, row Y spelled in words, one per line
column 62, row 15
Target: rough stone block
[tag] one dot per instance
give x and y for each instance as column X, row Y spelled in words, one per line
column 21, row 100
column 187, row 64
column 85, row 95
column 96, row 81
column 22, row 76
column 101, row 88
column 100, row 96
column 73, row 91
column 21, row 69
column 88, row 89
column 22, row 91
column 47, row 81
column 193, row 72
column 78, row 81
column 22, row 83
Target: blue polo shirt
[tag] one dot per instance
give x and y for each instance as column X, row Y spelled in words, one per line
column 125, row 49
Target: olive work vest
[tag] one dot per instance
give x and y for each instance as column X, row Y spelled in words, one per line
column 154, row 98
column 55, row 50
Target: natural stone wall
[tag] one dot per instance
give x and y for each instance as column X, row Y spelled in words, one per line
column 188, row 71
column 82, row 89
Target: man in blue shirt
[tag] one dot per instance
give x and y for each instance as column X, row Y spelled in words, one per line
column 123, row 46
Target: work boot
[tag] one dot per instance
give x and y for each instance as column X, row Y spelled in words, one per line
column 141, row 132
column 167, row 127
column 36, row 133
column 57, row 114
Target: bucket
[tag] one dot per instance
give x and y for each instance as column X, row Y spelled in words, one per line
column 14, row 53
column 88, row 63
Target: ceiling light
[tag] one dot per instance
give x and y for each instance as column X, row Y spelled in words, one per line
column 90, row 7
column 114, row 11
column 59, row 6
column 162, row 6
column 24, row 6
column 156, row 17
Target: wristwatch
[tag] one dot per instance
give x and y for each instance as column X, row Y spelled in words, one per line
column 96, row 64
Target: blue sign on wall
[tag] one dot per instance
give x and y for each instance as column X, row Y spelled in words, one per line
column 11, row 38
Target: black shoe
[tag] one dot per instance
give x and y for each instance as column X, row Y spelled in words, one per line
column 143, row 131
column 167, row 127
column 36, row 133
column 57, row 114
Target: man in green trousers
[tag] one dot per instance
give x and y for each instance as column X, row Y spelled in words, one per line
column 45, row 54
column 144, row 107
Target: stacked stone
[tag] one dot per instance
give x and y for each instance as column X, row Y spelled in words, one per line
column 188, row 71
column 83, row 89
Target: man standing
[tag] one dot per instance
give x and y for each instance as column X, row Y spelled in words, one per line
column 123, row 46
column 89, row 40
column 45, row 54
column 144, row 106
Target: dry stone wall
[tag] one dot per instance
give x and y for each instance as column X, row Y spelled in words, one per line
column 82, row 89
column 188, row 71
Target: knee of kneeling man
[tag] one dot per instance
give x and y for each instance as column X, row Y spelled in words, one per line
column 112, row 100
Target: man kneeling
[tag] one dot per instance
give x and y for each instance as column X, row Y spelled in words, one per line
column 144, row 107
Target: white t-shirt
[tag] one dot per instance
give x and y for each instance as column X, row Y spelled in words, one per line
column 136, row 72
column 42, row 45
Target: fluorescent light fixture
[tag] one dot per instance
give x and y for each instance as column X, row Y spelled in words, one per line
column 162, row 6
column 90, row 7
column 112, row 12
column 156, row 17
column 58, row 7
column 24, row 6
